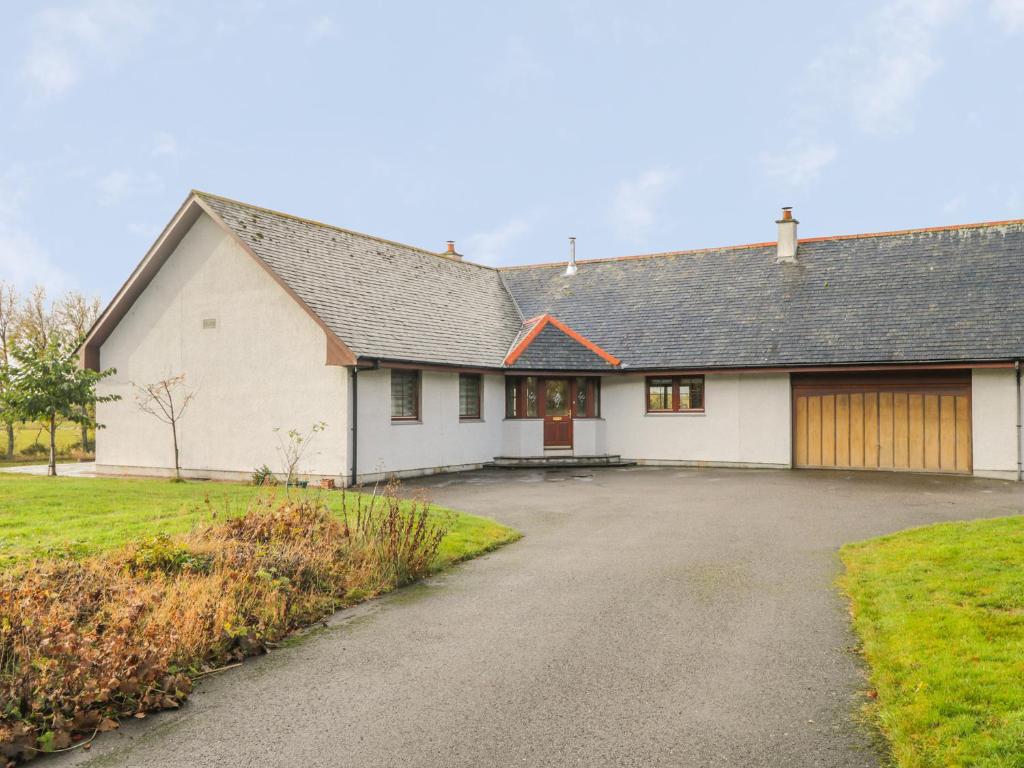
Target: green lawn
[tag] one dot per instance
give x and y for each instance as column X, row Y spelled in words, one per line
column 940, row 613
column 38, row 514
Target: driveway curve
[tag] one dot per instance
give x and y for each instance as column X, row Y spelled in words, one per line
column 650, row 617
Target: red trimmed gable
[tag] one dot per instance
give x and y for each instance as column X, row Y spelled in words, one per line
column 539, row 323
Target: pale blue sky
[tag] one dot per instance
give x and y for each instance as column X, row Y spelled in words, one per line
column 637, row 127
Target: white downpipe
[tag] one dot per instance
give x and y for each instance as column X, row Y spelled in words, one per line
column 1020, row 436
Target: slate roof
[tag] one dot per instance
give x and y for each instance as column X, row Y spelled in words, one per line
column 382, row 299
column 942, row 295
column 553, row 349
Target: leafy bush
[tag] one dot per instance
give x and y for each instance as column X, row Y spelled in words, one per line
column 263, row 476
column 35, row 449
column 86, row 641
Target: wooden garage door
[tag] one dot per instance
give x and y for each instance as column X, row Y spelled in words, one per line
column 916, row 422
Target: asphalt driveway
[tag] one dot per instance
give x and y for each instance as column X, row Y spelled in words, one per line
column 650, row 617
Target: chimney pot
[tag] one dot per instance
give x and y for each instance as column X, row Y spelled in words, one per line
column 451, row 250
column 788, row 243
column 571, row 267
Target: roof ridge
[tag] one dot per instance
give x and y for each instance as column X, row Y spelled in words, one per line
column 817, row 239
column 318, row 223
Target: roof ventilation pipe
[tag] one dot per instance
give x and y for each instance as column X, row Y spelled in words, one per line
column 571, row 268
column 787, row 237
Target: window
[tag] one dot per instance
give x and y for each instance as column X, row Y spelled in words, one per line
column 521, row 397
column 405, row 395
column 469, row 396
column 522, row 401
column 675, row 394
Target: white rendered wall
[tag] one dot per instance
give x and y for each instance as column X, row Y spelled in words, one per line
column 262, row 367
column 994, row 422
column 746, row 421
column 439, row 441
column 523, row 437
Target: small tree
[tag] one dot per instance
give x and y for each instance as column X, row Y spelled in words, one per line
column 47, row 385
column 166, row 400
column 292, row 446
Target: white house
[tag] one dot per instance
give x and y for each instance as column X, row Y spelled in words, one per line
column 888, row 351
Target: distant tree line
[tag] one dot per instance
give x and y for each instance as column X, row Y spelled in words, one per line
column 40, row 378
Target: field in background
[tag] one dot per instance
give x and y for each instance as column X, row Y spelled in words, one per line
column 25, row 435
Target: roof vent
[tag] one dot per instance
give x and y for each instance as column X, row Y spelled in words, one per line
column 571, row 267
column 787, row 237
column 451, row 252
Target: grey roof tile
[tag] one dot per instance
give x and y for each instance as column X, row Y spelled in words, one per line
column 943, row 295
column 954, row 294
column 382, row 299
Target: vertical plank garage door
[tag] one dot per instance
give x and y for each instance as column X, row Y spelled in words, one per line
column 898, row 422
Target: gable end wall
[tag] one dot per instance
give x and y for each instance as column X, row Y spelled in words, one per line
column 262, row 367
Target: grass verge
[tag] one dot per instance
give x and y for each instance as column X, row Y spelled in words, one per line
column 98, row 624
column 42, row 516
column 940, row 615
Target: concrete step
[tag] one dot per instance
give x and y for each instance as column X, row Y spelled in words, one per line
column 557, row 462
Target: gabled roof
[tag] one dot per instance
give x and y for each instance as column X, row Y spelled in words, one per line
column 544, row 343
column 383, row 299
column 374, row 298
column 938, row 295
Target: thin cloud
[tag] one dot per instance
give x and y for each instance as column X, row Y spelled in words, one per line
column 492, row 246
column 636, row 202
column 23, row 260
column 322, row 27
column 517, row 67
column 888, row 62
column 165, row 144
column 119, row 185
column 1009, row 13
column 799, row 165
column 65, row 40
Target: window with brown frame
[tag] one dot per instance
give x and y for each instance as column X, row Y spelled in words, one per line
column 522, row 400
column 469, row 396
column 405, row 395
column 675, row 394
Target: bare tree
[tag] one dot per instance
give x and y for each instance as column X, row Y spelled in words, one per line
column 35, row 323
column 8, row 318
column 167, row 400
column 72, row 316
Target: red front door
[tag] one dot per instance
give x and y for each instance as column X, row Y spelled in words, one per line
column 557, row 413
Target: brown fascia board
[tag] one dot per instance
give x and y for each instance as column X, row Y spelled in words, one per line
column 336, row 353
column 141, row 276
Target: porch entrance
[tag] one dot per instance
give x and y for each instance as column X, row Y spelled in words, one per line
column 557, row 413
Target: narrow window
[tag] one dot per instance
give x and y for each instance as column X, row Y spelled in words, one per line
column 585, row 397
column 659, row 395
column 675, row 394
column 513, row 405
column 469, row 396
column 530, row 385
column 691, row 393
column 405, row 395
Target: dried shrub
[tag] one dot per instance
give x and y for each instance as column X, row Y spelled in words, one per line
column 84, row 642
